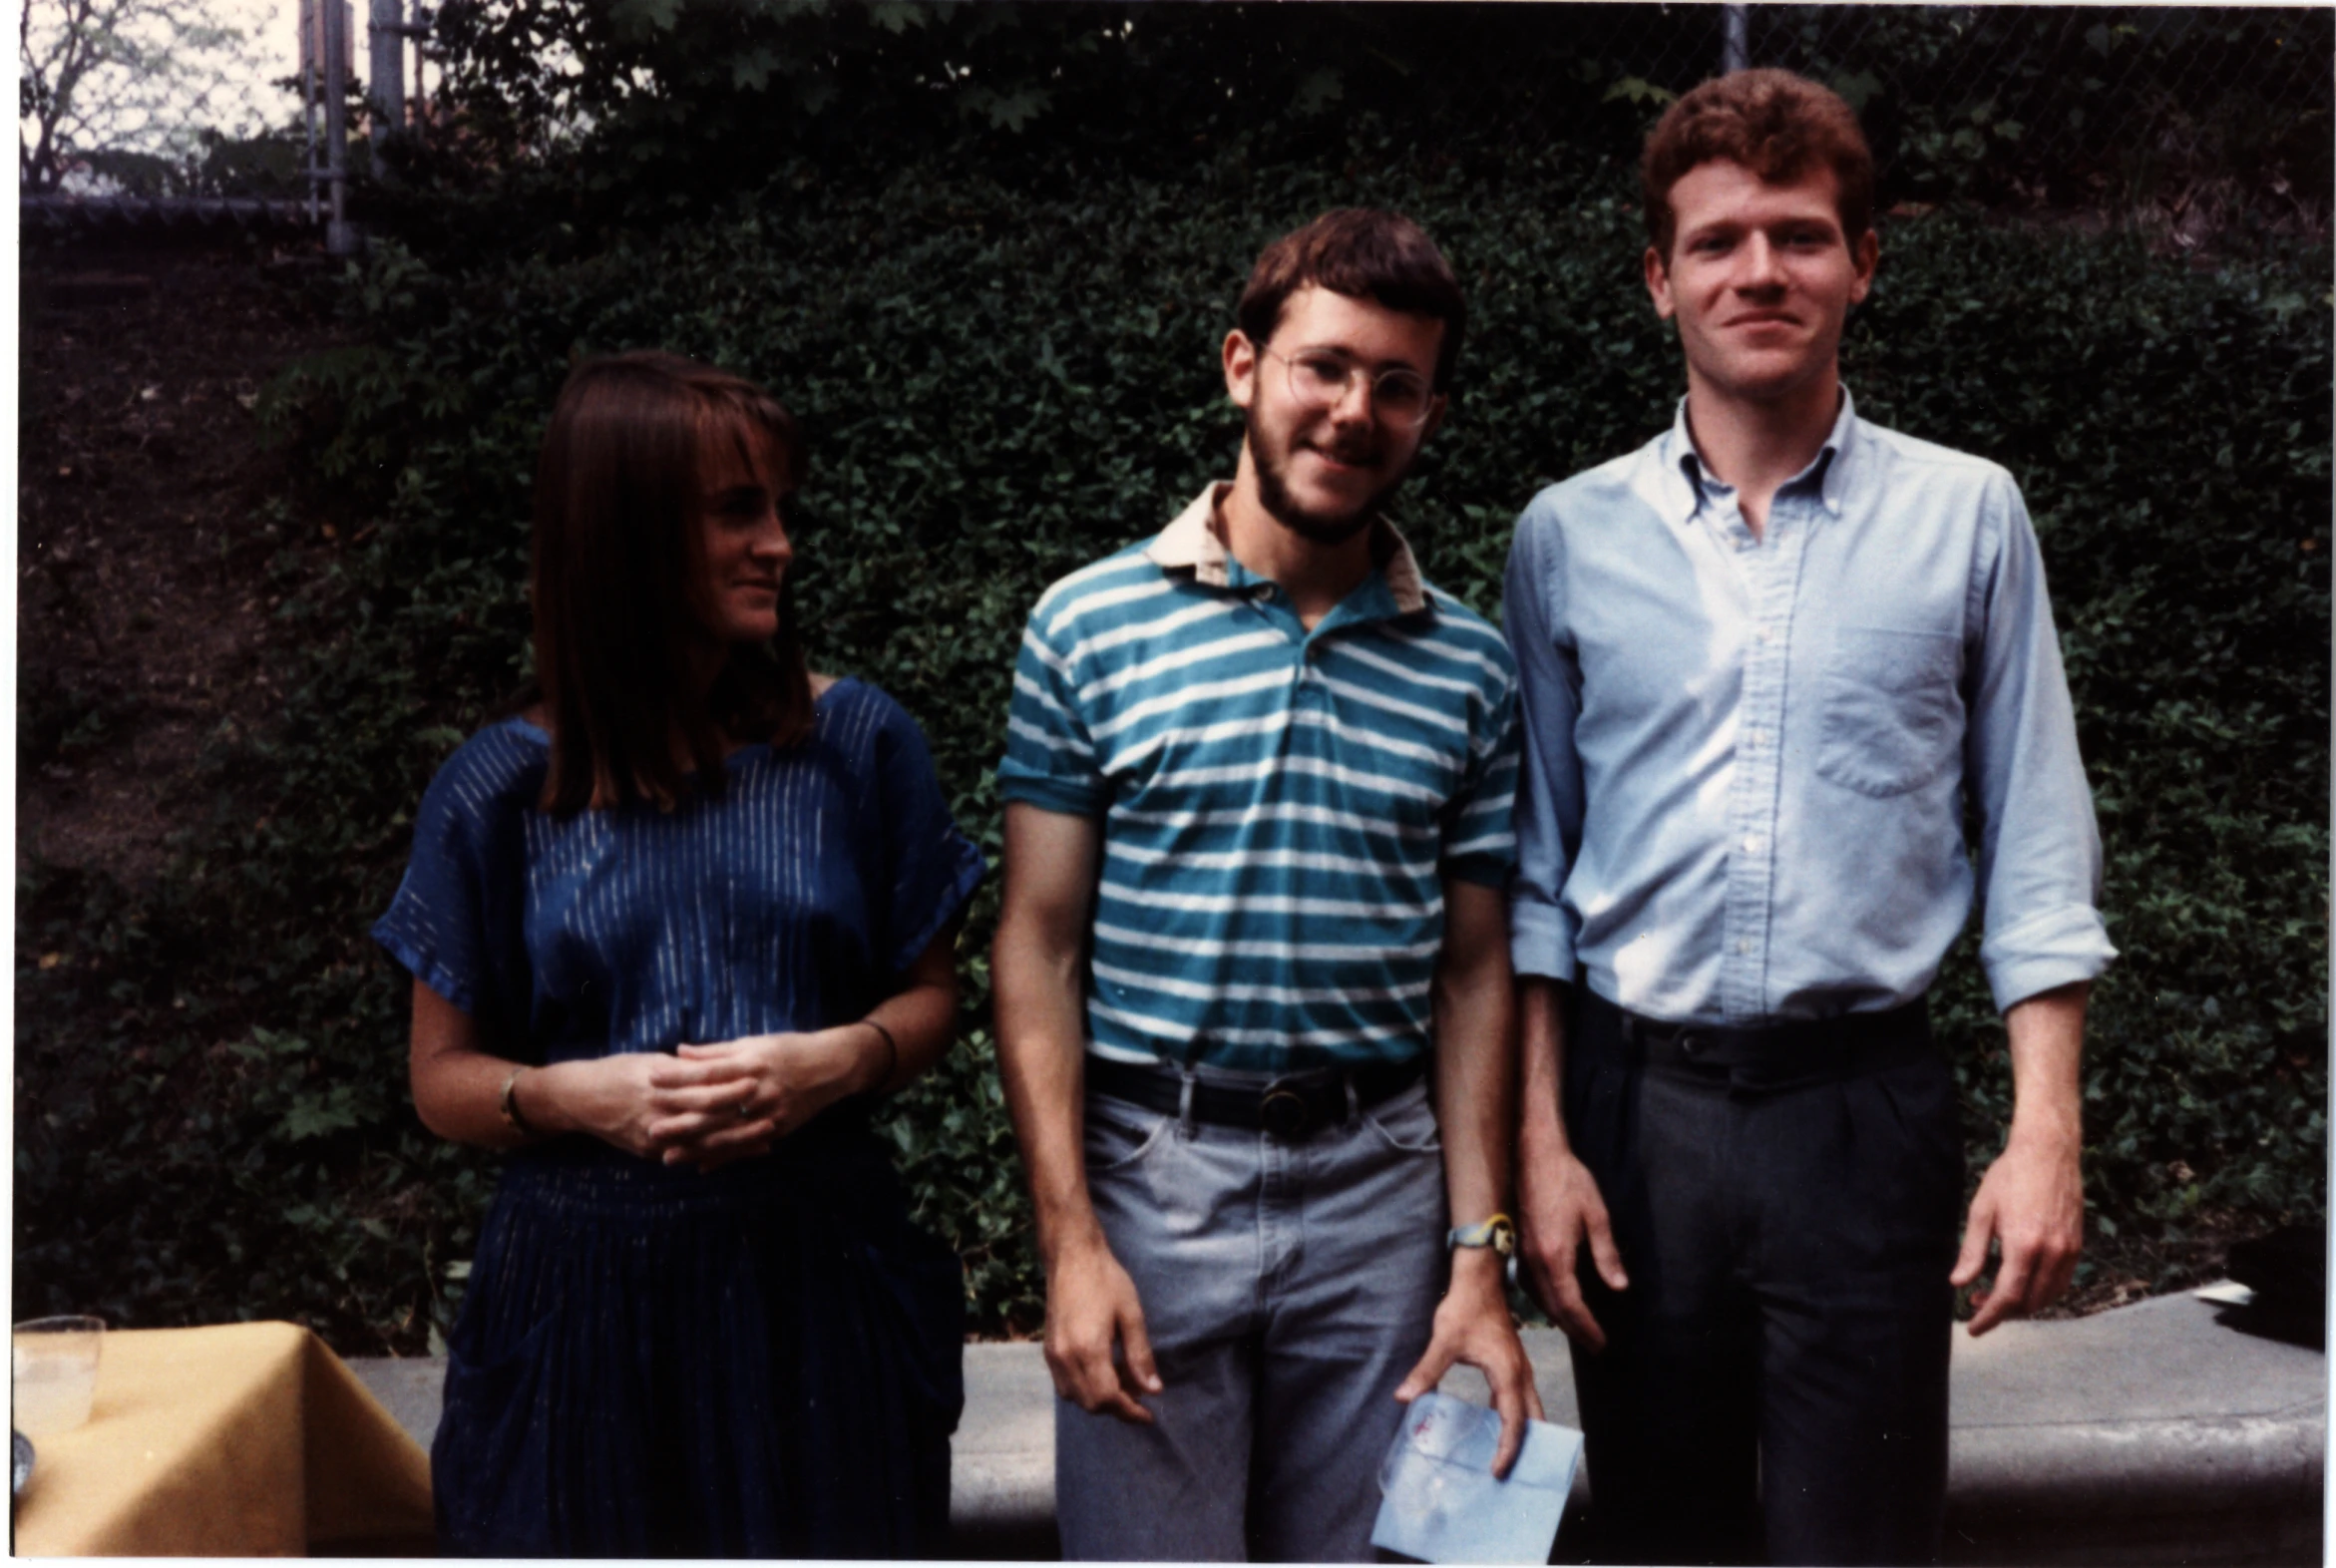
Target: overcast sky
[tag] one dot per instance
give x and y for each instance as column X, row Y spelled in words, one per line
column 228, row 89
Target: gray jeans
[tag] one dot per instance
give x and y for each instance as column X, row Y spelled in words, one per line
column 1287, row 1290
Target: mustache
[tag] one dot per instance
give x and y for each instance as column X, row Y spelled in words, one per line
column 1362, row 451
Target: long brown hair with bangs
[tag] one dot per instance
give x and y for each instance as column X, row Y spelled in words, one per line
column 617, row 584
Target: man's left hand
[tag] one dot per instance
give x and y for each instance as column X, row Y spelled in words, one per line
column 1473, row 1326
column 2031, row 1203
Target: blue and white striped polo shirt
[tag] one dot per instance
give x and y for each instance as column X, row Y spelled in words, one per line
column 1280, row 807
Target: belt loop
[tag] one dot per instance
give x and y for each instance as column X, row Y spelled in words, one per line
column 1184, row 1118
column 1354, row 1095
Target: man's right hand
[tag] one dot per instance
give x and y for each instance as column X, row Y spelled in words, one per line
column 1558, row 1208
column 1096, row 1348
column 1091, row 1308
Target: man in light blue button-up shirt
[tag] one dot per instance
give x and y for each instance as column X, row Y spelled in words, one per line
column 1768, row 661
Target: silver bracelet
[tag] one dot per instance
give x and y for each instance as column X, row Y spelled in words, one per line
column 508, row 1104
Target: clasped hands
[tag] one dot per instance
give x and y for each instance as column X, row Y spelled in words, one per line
column 707, row 1105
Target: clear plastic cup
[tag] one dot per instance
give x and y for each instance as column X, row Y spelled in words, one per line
column 55, row 1363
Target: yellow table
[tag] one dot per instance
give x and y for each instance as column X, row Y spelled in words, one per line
column 245, row 1439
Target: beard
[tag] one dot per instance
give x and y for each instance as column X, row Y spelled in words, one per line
column 1273, row 490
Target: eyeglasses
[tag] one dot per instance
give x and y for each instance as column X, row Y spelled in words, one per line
column 1320, row 380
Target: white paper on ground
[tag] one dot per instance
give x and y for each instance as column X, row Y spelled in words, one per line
column 1442, row 1504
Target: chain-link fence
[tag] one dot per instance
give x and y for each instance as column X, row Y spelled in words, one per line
column 146, row 98
column 136, row 111
column 2196, row 123
column 2193, row 122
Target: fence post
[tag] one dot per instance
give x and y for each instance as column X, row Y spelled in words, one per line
column 340, row 235
column 1735, row 41
column 311, row 72
column 386, row 34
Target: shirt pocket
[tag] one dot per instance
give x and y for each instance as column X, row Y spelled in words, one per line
column 1892, row 719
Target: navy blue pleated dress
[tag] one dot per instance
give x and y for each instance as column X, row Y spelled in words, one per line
column 762, row 1361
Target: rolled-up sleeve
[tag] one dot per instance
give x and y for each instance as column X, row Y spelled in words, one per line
column 1549, row 778
column 2040, row 851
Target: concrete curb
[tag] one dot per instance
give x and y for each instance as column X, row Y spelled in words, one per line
column 2150, row 1435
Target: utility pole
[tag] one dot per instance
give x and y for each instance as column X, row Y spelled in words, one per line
column 387, row 36
column 1735, row 41
column 312, row 76
column 340, row 235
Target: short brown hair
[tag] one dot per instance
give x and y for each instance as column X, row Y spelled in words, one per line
column 1775, row 123
column 617, row 582
column 1362, row 253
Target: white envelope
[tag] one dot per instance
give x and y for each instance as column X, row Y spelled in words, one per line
column 1442, row 1504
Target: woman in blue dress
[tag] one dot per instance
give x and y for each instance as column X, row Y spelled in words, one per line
column 673, row 929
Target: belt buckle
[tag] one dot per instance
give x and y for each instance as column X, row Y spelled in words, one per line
column 1283, row 1112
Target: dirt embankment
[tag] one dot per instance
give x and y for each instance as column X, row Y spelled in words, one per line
column 149, row 511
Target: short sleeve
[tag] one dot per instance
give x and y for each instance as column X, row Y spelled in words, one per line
column 1049, row 758
column 930, row 867
column 1480, row 839
column 456, row 922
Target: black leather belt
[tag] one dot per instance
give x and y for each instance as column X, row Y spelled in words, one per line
column 1289, row 1110
column 1780, row 1055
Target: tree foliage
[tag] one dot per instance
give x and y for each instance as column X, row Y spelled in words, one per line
column 124, row 87
column 651, row 107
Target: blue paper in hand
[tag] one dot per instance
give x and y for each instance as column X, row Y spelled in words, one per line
column 1442, row 1504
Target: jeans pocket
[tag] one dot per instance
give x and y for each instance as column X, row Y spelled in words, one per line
column 1893, row 717
column 1119, row 1134
column 1406, row 1122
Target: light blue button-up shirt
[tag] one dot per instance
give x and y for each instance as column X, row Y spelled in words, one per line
column 1746, row 757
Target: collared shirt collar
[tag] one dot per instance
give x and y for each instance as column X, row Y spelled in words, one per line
column 1192, row 543
column 1683, row 478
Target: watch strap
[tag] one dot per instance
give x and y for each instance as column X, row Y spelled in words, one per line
column 1500, row 1233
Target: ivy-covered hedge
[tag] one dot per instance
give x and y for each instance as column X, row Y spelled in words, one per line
column 1003, row 383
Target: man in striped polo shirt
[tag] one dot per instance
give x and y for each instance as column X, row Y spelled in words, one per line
column 1257, row 777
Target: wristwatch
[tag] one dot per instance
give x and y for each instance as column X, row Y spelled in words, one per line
column 1500, row 1233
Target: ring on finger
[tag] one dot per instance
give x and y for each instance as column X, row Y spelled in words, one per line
column 745, row 1101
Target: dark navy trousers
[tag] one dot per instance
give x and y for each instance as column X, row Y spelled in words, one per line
column 1774, row 1381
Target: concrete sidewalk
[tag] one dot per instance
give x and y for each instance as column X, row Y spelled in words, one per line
column 2150, row 1435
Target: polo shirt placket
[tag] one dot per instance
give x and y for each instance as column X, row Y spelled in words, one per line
column 1358, row 611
